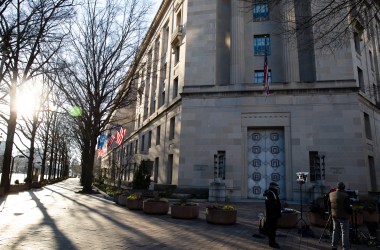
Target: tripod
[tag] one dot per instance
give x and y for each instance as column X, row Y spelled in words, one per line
column 328, row 224
column 305, row 226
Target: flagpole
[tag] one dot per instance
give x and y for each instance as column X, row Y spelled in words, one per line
column 266, row 83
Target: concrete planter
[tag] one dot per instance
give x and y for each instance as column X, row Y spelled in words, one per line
column 359, row 219
column 36, row 184
column 287, row 220
column 221, row 217
column 122, row 200
column 18, row 188
column 134, row 204
column 116, row 198
column 155, row 207
column 318, row 219
column 370, row 216
column 184, row 211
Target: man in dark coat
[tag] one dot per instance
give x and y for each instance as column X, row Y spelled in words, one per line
column 273, row 212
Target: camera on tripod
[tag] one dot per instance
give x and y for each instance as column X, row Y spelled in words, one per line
column 302, row 177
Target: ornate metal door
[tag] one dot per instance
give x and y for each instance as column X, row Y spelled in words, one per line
column 266, row 161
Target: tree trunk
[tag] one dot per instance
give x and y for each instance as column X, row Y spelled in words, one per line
column 88, row 164
column 11, row 128
column 44, row 156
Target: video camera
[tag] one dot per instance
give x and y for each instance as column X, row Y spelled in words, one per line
column 354, row 194
column 302, row 177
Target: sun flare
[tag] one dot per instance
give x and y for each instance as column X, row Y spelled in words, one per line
column 27, row 101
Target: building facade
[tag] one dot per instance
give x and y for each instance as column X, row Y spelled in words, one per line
column 202, row 115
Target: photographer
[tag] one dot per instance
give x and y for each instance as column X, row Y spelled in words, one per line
column 340, row 212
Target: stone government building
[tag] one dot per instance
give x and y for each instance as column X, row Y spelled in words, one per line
column 201, row 113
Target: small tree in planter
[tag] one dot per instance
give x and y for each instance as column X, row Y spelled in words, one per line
column 141, row 176
column 221, row 214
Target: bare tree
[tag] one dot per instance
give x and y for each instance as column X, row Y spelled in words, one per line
column 323, row 24
column 31, row 33
column 92, row 73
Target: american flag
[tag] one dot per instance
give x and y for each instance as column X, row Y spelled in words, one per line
column 120, row 135
column 266, row 82
column 110, row 140
column 101, row 140
column 100, row 152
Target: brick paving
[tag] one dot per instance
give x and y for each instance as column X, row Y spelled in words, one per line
column 57, row 217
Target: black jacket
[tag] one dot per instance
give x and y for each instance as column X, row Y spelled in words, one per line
column 272, row 204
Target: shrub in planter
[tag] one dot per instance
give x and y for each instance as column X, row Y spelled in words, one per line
column 134, row 202
column 184, row 210
column 221, row 214
column 156, row 206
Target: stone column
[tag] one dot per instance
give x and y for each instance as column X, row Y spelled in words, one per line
column 290, row 53
column 237, row 43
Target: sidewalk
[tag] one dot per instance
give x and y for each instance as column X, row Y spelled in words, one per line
column 56, row 217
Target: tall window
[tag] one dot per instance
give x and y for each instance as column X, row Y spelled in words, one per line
column 260, row 10
column 259, row 76
column 370, row 59
column 158, row 135
column 357, row 42
column 220, row 165
column 378, row 36
column 260, row 43
column 163, row 96
column 165, row 38
column 316, row 166
column 155, row 175
column 136, row 146
column 131, row 148
column 142, row 143
column 375, row 92
column 169, row 174
column 176, row 54
column 150, row 139
column 175, row 88
column 361, row 79
column 367, row 127
column 171, row 128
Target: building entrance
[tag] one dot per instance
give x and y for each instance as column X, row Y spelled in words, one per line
column 266, row 160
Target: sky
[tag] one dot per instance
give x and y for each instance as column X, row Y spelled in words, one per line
column 155, row 5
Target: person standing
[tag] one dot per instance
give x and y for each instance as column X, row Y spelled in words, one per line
column 340, row 213
column 273, row 212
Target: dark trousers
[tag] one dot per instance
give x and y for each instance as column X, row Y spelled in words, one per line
column 272, row 228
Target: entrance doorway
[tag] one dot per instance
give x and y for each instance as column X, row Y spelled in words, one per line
column 266, row 160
